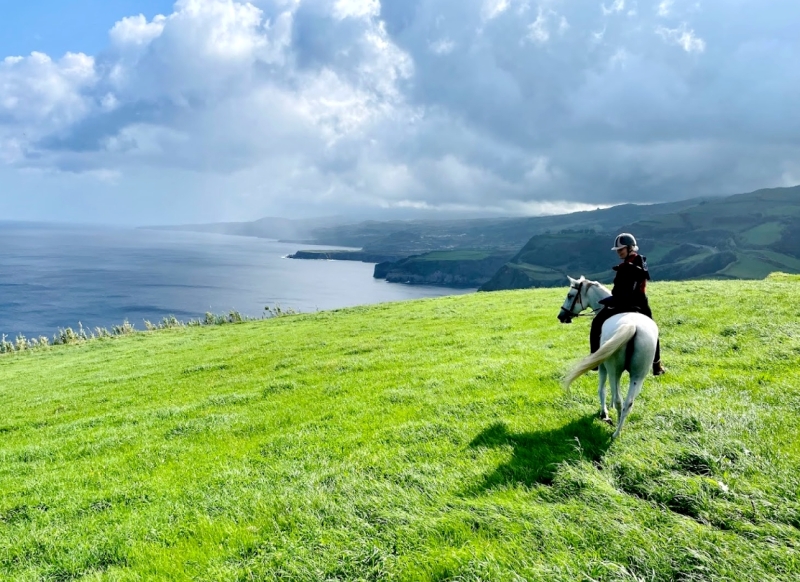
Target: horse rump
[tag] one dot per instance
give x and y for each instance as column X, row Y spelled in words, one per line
column 622, row 336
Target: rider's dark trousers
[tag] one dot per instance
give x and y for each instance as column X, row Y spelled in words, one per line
column 607, row 312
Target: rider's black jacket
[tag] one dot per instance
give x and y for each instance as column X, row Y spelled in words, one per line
column 630, row 283
column 627, row 295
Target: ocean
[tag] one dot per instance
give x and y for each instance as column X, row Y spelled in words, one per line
column 53, row 277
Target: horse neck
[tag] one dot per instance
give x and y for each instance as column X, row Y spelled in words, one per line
column 594, row 293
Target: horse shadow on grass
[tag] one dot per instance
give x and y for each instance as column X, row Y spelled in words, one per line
column 537, row 455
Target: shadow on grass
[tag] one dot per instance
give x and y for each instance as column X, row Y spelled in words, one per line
column 536, row 455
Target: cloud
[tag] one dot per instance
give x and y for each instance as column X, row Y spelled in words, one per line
column 683, row 37
column 616, row 6
column 442, row 46
column 232, row 110
column 493, row 8
column 356, row 8
column 664, row 7
column 39, row 96
column 135, row 30
column 537, row 30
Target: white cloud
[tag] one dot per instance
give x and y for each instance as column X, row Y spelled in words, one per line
column 39, row 96
column 664, row 7
column 616, row 6
column 494, row 8
column 596, row 37
column 683, row 37
column 356, row 8
column 38, row 88
column 550, row 207
column 537, row 30
column 135, row 30
column 442, row 46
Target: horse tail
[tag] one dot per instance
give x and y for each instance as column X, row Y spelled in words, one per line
column 622, row 336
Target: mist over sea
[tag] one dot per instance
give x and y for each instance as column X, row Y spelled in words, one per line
column 55, row 276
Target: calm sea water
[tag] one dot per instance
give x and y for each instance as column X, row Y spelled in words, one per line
column 54, row 276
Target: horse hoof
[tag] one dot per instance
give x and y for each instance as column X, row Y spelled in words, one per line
column 604, row 417
column 608, row 420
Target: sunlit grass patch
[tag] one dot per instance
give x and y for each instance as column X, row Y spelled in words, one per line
column 425, row 440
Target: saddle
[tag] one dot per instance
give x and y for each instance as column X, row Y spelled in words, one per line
column 613, row 304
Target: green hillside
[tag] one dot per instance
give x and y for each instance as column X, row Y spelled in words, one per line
column 426, row 440
column 458, row 268
column 410, row 237
column 746, row 236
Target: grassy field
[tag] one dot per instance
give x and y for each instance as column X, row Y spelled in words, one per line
column 427, row 440
column 459, row 255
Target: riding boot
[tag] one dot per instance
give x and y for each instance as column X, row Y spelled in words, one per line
column 594, row 339
column 658, row 367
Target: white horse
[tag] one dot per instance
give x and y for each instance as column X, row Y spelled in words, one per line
column 611, row 358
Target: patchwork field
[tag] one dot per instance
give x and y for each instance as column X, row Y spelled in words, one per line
column 425, row 440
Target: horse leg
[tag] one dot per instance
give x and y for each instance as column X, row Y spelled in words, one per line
column 602, row 394
column 616, row 398
column 633, row 392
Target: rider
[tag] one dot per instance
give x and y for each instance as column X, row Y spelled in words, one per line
column 628, row 293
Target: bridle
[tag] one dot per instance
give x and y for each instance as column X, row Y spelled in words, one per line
column 577, row 299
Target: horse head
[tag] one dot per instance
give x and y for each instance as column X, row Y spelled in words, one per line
column 583, row 294
column 575, row 301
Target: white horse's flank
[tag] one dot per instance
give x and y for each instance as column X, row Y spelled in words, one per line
column 617, row 332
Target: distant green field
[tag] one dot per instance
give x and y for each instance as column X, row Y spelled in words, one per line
column 747, row 267
column 456, row 256
column 764, row 234
column 426, row 440
column 539, row 270
column 759, row 264
column 778, row 259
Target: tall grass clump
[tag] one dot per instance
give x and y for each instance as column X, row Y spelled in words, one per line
column 68, row 336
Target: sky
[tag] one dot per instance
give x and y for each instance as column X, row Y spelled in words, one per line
column 152, row 112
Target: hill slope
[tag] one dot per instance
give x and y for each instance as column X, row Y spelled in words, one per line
column 426, row 440
column 407, row 237
column 498, row 234
column 746, row 236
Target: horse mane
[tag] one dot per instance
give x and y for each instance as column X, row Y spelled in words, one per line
column 598, row 284
column 590, row 283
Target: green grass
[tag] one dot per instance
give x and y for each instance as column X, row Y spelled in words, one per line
column 758, row 265
column 764, row 234
column 784, row 277
column 747, row 266
column 426, row 440
column 456, row 256
column 776, row 259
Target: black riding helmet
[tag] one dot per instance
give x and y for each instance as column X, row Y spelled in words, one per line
column 625, row 240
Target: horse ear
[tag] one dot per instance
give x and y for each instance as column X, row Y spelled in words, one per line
column 581, row 280
column 571, row 280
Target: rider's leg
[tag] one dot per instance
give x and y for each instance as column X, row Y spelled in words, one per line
column 658, row 367
column 601, row 392
column 597, row 329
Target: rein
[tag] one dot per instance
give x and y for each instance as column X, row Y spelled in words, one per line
column 592, row 314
